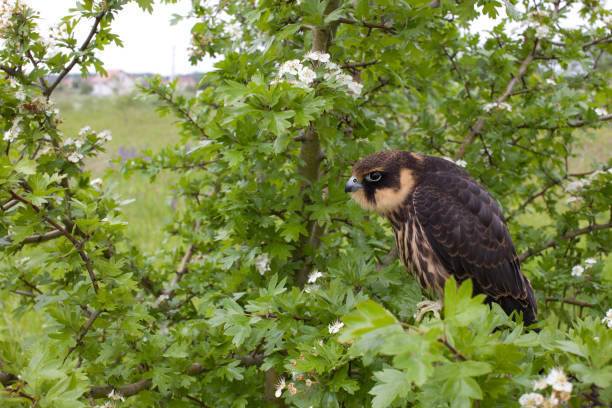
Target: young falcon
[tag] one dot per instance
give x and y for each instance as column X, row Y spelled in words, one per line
column 445, row 223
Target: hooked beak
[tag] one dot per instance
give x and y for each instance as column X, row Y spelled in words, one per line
column 352, row 185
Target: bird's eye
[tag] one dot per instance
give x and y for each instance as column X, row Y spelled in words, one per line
column 374, row 176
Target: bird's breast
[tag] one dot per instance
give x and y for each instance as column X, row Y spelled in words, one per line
column 417, row 255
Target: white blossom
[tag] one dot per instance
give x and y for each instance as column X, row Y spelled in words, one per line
column 577, row 185
column 84, row 130
column 280, row 386
column 488, row 107
column 317, row 56
column 558, row 381
column 335, row 327
column 312, row 278
column 550, row 402
column 601, row 111
column 234, row 30
column 540, row 384
column 290, row 67
column 75, row 157
column 589, row 262
column 608, row 318
column 11, row 134
column 577, row 270
column 13, row 83
column 105, row 136
column 461, row 163
column 380, row 122
column 573, row 199
column 115, row 396
column 533, row 399
column 542, row 31
column 310, row 288
column 78, row 143
column 20, row 95
column 68, row 142
column 306, row 75
column 262, row 263
column 355, row 88
column 97, row 182
column 332, row 66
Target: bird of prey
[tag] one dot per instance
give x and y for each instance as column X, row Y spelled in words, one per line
column 445, row 224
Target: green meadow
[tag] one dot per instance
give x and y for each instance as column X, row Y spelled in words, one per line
column 135, row 126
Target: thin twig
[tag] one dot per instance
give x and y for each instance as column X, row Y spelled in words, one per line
column 182, row 269
column 454, row 350
column 569, row 301
column 84, row 331
column 384, row 27
column 480, row 122
column 76, row 58
column 78, row 245
column 359, row 64
column 569, row 235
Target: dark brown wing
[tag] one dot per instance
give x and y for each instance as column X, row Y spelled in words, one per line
column 468, row 234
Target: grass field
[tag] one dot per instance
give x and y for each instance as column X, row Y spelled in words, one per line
column 135, row 125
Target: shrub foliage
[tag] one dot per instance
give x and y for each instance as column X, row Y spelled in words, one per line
column 281, row 291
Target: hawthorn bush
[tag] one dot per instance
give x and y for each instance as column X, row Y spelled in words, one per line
column 282, row 291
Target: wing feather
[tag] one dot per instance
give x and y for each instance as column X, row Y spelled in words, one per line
column 468, row 234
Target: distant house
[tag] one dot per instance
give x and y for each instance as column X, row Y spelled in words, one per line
column 186, row 82
column 116, row 83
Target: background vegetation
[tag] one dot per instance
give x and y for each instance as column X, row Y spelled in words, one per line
column 242, row 275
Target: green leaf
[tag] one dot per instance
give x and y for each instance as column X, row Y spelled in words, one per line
column 390, row 384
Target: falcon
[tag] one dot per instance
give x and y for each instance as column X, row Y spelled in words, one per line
column 445, row 224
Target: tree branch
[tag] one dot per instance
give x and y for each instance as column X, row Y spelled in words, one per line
column 568, row 235
column 74, row 61
column 84, row 331
column 367, row 24
column 359, row 64
column 480, row 122
column 569, row 301
column 78, row 245
column 47, row 236
column 182, row 269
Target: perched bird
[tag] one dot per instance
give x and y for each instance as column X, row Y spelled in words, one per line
column 445, row 224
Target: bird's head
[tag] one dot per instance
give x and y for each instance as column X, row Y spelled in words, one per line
column 382, row 181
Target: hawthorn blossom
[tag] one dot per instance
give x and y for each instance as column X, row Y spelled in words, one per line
column 589, row 262
column 332, row 66
column 262, row 263
column 75, row 157
column 540, row 384
column 20, row 95
column 380, row 122
column 533, row 399
column 601, row 111
column 105, row 136
column 290, row 67
column 115, row 396
column 96, row 183
column 577, row 185
column 550, row 402
column 84, row 130
column 310, row 288
column 11, row 134
column 558, row 381
column 78, row 143
column 312, row 278
column 460, row 163
column 335, row 327
column 573, row 199
column 488, row 107
column 234, row 30
column 577, row 270
column 317, row 56
column 306, row 75
column 280, row 386
column 292, row 389
column 608, row 319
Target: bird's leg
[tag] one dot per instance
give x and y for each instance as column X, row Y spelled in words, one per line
column 428, row 306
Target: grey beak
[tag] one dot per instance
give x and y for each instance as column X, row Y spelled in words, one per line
column 352, row 185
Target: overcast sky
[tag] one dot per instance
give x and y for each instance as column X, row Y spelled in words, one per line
column 148, row 39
